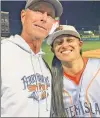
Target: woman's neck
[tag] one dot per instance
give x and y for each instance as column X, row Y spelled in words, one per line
column 73, row 67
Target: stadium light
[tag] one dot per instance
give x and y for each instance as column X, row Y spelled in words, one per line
column 66, row 22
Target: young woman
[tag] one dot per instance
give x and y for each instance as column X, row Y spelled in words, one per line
column 76, row 80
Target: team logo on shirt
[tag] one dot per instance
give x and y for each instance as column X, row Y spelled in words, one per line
column 37, row 85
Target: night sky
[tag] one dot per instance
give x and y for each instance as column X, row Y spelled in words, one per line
column 78, row 13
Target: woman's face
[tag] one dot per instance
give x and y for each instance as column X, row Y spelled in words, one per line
column 67, row 48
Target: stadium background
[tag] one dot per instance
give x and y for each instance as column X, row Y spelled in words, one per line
column 90, row 33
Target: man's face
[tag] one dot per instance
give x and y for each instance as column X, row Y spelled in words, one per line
column 67, row 48
column 37, row 21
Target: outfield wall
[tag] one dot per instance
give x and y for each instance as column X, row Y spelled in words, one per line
column 90, row 38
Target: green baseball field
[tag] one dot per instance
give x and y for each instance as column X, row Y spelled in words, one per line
column 87, row 46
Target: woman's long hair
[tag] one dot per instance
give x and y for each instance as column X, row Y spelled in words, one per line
column 57, row 105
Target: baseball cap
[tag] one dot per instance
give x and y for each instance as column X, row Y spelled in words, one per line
column 57, row 5
column 64, row 29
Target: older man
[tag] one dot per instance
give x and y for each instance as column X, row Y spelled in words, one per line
column 26, row 80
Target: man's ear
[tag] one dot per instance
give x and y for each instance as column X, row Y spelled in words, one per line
column 23, row 13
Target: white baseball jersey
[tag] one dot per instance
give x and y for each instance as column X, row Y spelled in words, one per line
column 83, row 100
column 25, row 80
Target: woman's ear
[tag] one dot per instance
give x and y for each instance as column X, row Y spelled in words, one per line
column 81, row 43
column 52, row 49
